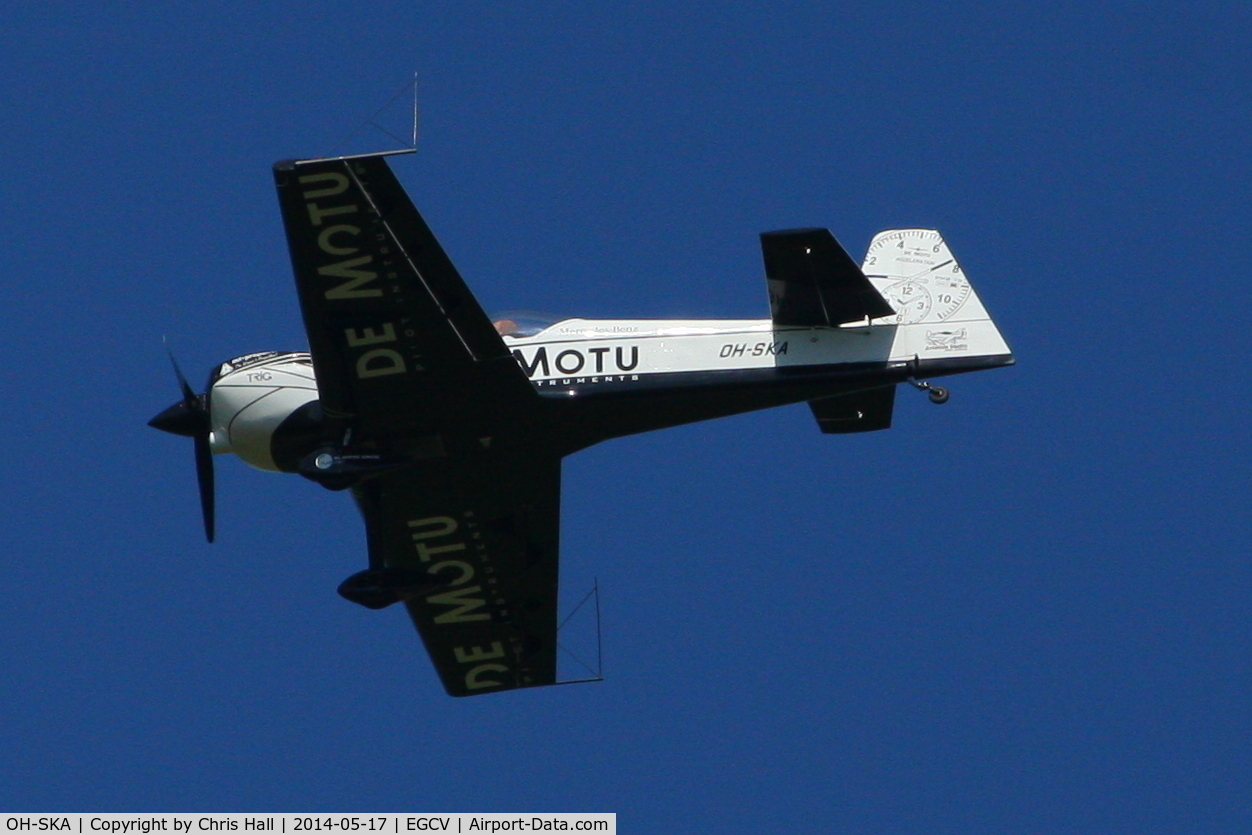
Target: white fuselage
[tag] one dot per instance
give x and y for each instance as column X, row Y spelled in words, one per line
column 252, row 396
column 591, row 351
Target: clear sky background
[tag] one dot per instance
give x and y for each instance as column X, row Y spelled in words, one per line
column 1027, row 610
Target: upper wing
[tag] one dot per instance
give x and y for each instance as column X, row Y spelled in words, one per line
column 813, row 282
column 490, row 531
column 400, row 346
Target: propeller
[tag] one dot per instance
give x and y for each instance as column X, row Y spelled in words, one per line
column 189, row 417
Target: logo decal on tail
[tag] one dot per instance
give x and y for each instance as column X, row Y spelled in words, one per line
column 947, row 340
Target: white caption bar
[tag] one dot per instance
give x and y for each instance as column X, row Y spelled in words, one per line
column 322, row 822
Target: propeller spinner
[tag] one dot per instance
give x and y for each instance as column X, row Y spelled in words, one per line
column 189, row 417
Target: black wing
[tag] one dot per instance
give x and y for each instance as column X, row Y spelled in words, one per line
column 491, row 534
column 813, row 282
column 400, row 346
column 407, row 363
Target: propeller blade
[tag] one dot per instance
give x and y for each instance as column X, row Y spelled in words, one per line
column 191, row 418
column 204, row 477
column 189, row 395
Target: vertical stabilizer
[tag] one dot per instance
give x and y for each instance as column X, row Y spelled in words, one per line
column 936, row 309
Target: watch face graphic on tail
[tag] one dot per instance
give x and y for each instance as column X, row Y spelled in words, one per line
column 916, row 273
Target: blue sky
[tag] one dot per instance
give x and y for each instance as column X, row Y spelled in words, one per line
column 1027, row 610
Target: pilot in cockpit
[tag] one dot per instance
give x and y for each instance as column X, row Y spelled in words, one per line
column 521, row 324
column 507, row 327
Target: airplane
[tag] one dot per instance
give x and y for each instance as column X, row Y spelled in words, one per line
column 449, row 428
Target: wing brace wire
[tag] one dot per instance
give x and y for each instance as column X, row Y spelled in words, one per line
column 598, row 673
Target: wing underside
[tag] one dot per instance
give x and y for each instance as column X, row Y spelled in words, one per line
column 391, row 323
column 408, row 365
column 490, row 535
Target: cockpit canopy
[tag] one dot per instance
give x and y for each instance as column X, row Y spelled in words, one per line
column 521, row 323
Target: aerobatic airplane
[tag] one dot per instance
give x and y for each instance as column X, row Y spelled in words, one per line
column 449, row 428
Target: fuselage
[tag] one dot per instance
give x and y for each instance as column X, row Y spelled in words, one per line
column 615, row 353
column 252, row 397
column 264, row 406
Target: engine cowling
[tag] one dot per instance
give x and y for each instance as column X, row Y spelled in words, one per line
column 264, row 408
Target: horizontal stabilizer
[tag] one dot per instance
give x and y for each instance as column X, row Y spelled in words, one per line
column 813, row 282
column 863, row 411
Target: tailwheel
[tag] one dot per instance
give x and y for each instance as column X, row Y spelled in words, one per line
column 938, row 394
column 378, row 588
